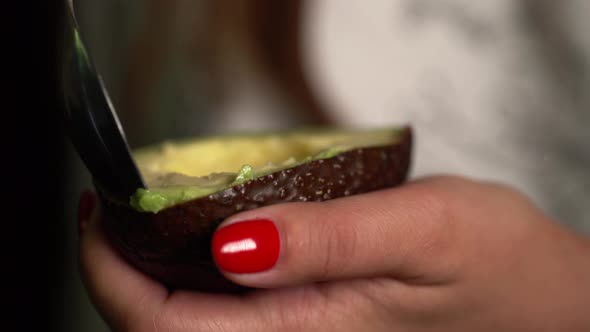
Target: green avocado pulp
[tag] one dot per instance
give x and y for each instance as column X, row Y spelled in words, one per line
column 176, row 172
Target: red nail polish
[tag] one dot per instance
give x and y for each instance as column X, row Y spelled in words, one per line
column 247, row 246
column 85, row 208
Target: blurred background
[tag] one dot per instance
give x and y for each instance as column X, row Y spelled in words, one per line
column 496, row 89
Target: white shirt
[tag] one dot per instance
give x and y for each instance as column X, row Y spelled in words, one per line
column 497, row 89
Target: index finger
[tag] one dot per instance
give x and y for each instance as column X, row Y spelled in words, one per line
column 122, row 295
column 130, row 301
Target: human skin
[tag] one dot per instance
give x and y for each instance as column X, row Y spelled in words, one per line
column 436, row 254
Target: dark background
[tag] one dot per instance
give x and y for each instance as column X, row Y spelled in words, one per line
column 33, row 142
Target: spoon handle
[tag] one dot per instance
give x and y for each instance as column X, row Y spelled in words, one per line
column 91, row 120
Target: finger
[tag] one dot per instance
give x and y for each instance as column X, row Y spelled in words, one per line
column 129, row 301
column 123, row 295
column 333, row 307
column 406, row 233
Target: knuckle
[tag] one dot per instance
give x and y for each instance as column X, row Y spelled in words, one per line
column 440, row 208
column 136, row 323
column 168, row 320
column 141, row 317
column 298, row 312
column 159, row 323
column 335, row 244
column 437, row 236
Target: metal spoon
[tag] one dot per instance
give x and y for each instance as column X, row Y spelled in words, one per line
column 91, row 120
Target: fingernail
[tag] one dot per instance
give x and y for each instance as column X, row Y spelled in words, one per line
column 85, row 208
column 246, row 247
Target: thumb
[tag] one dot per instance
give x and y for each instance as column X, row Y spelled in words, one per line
column 403, row 233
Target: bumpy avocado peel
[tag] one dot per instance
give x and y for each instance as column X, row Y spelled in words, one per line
column 172, row 245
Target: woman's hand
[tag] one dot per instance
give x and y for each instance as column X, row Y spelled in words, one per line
column 439, row 254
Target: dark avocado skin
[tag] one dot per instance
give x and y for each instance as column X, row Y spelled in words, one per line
column 173, row 246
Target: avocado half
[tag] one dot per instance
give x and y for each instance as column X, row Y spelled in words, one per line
column 166, row 230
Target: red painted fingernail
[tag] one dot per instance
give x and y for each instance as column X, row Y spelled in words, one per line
column 247, row 246
column 85, row 208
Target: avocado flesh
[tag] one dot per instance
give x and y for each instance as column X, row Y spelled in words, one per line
column 177, row 172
